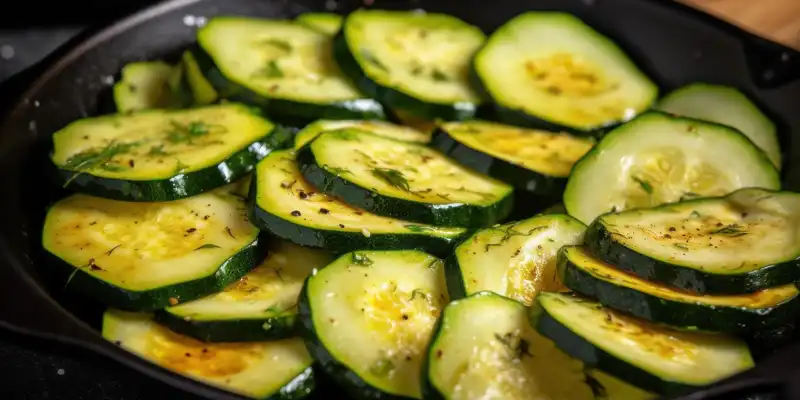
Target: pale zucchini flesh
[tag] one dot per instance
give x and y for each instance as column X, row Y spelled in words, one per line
column 149, row 84
column 380, row 128
column 260, row 370
column 327, row 23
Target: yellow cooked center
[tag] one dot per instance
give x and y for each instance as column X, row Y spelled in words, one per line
column 568, row 75
column 534, row 273
column 674, row 345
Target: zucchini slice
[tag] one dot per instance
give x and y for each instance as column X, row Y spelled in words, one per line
column 531, row 160
column 402, row 180
column 380, row 128
column 202, row 91
column 651, row 356
column 485, row 346
column 277, row 370
column 282, row 66
column 728, row 106
column 150, row 84
column 584, row 274
column 417, row 62
column 327, row 23
column 287, row 206
column 144, row 256
column 657, row 158
column 367, row 319
column 743, row 242
column 163, row 155
column 516, row 260
column 551, row 70
column 262, row 305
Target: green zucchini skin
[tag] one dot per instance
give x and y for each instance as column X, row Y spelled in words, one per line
column 340, row 242
column 115, row 297
column 365, row 108
column 679, row 314
column 242, row 330
column 601, row 243
column 465, row 215
column 394, row 98
column 578, row 347
column 339, row 373
column 183, row 185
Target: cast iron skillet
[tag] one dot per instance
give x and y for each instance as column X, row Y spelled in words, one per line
column 674, row 44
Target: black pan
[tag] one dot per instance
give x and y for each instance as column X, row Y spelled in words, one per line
column 675, row 44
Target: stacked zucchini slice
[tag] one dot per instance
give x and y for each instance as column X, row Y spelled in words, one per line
column 253, row 220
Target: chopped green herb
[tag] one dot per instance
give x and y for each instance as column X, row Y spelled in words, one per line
column 360, row 260
column 382, row 367
column 270, row 70
column 509, row 232
column 439, row 76
column 280, row 44
column 680, row 246
column 518, row 346
column 207, row 246
column 392, row 177
column 157, row 151
column 732, row 230
column 694, row 214
column 598, row 389
column 185, row 133
column 419, row 293
column 94, row 158
column 370, row 58
column 645, row 185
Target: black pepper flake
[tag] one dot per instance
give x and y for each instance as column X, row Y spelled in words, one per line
column 324, row 211
column 191, row 230
column 405, row 317
column 672, row 229
column 131, row 163
column 744, row 214
column 206, row 217
column 205, row 350
column 296, row 213
column 341, row 225
column 668, row 236
column 408, row 358
column 438, row 354
column 188, row 354
column 302, row 195
column 359, row 213
column 117, row 342
column 93, row 223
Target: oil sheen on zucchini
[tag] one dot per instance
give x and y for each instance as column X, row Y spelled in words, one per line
column 614, row 288
column 657, row 158
column 516, row 260
column 144, row 256
column 327, row 23
column 569, row 77
column 275, row 370
column 534, row 161
column 402, row 180
column 283, row 66
column 651, row 356
column 287, row 206
column 262, row 305
column 742, row 242
column 150, row 84
column 163, row 155
column 411, row 61
column 380, row 128
column 728, row 106
column 484, row 346
column 367, row 319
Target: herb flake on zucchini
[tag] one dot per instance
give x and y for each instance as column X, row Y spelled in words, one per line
column 327, row 23
column 657, row 158
column 367, row 319
column 276, row 370
column 144, row 256
column 613, row 288
column 150, row 84
column 402, row 180
column 380, row 128
column 551, row 70
column 650, row 356
column 728, row 106
column 282, row 66
column 516, row 260
column 743, row 242
column 287, row 206
column 485, row 346
column 261, row 305
column 163, row 155
column 416, row 62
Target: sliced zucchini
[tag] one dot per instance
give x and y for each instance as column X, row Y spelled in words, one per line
column 402, row 180
column 531, row 160
column 282, row 66
column 150, row 84
column 202, row 91
column 287, row 206
column 379, row 128
column 743, row 242
column 516, row 260
column 651, row 356
column 607, row 387
column 582, row 273
column 367, row 319
column 484, row 346
column 144, row 256
column 728, row 106
column 416, row 62
column 161, row 155
column 278, row 370
column 262, row 305
column 657, row 159
column 327, row 23
column 569, row 77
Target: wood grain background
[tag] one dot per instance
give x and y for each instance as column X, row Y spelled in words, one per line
column 778, row 20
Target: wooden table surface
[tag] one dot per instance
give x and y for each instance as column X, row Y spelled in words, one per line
column 778, row 20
